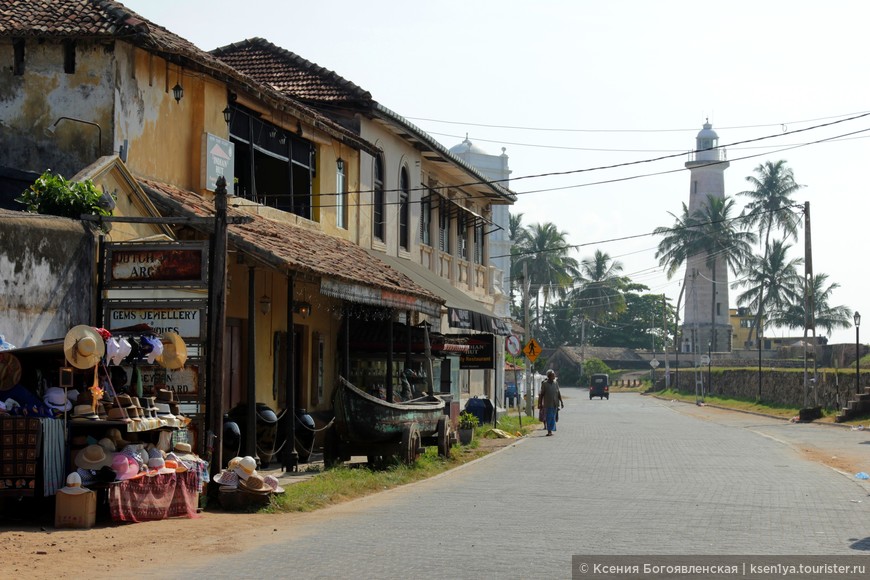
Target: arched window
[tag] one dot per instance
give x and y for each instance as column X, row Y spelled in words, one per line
column 404, row 209
column 378, row 201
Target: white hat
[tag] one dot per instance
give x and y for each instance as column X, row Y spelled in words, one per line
column 246, row 468
column 74, row 485
column 117, row 350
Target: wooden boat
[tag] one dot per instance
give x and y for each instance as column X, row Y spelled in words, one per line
column 366, row 425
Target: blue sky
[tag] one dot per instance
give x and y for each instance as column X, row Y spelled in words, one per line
column 568, row 87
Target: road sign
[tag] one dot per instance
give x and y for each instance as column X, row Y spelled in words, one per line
column 654, row 363
column 513, row 345
column 705, row 359
column 532, row 349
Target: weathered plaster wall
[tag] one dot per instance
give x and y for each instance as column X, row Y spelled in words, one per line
column 32, row 102
column 46, row 275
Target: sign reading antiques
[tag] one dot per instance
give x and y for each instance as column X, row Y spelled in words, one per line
column 182, row 264
column 480, row 353
column 187, row 319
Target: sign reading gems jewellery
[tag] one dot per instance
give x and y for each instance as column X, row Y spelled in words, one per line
column 183, row 318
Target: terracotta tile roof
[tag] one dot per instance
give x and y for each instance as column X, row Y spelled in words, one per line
column 106, row 19
column 288, row 72
column 289, row 247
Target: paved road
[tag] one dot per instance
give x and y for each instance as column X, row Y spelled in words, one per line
column 632, row 475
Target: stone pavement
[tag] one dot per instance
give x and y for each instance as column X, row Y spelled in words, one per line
column 632, row 475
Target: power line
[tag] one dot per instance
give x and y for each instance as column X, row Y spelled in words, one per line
column 564, row 130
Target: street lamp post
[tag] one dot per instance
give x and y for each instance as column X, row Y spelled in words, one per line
column 857, row 319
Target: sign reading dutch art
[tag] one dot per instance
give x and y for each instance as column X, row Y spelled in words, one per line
column 218, row 161
column 156, row 265
column 480, row 353
column 183, row 318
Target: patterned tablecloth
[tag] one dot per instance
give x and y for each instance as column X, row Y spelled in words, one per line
column 20, row 439
column 156, row 497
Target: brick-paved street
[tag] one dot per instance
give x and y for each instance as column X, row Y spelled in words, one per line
column 632, row 475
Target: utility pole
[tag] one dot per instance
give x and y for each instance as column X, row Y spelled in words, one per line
column 529, row 395
column 665, row 348
column 809, row 300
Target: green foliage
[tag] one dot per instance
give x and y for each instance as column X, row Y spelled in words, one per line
column 51, row 194
column 468, row 421
column 594, row 366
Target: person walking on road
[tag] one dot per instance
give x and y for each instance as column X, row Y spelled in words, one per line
column 550, row 400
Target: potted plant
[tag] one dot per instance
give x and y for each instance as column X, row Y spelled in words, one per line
column 467, row 424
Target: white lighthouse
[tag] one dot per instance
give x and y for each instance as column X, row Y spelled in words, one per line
column 706, row 326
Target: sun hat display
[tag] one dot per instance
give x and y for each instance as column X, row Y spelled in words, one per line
column 247, row 467
column 254, row 483
column 157, row 466
column 155, row 350
column 84, row 413
column 93, row 457
column 117, row 349
column 107, row 444
column 227, row 479
column 10, row 370
column 272, row 483
column 115, row 435
column 148, row 406
column 73, row 485
column 182, row 447
column 163, row 411
column 56, row 399
column 88, row 476
column 180, row 466
column 125, row 467
column 118, row 414
column 83, row 347
column 174, row 353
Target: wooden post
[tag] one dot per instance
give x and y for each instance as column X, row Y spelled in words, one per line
column 290, row 455
column 251, row 387
column 216, row 326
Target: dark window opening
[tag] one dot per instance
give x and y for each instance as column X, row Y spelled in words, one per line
column 69, row 57
column 478, row 243
column 444, row 226
column 404, row 210
column 425, row 220
column 378, row 201
column 18, row 57
column 461, row 237
column 268, row 171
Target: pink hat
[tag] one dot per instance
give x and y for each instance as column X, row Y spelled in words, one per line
column 125, row 467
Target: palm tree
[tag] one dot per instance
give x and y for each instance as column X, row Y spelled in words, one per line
column 600, row 295
column 712, row 232
column 771, row 207
column 775, row 274
column 516, row 235
column 827, row 317
column 550, row 269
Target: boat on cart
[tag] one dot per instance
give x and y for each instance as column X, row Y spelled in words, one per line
column 369, row 426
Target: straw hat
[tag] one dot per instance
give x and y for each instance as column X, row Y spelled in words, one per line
column 254, row 483
column 93, row 457
column 174, row 351
column 83, row 347
column 272, row 483
column 84, row 412
column 10, row 371
column 55, row 398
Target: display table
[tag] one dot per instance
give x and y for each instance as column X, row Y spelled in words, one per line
column 154, row 497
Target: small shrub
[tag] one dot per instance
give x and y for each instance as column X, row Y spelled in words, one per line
column 51, row 194
column 468, row 421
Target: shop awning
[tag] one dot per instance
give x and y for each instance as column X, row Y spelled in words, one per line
column 463, row 311
column 345, row 270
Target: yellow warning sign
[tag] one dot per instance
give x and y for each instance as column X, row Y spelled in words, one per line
column 532, row 349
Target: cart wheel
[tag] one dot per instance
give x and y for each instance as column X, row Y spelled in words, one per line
column 331, row 456
column 410, row 444
column 443, row 437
